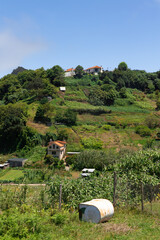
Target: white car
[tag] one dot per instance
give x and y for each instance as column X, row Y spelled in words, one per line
column 86, row 172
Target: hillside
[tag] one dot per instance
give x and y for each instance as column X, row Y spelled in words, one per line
column 109, row 110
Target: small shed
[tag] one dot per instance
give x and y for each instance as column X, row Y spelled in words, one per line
column 62, row 89
column 17, row 162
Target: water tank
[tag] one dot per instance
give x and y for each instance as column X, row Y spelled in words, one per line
column 96, row 210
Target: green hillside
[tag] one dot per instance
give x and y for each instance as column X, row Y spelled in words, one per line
column 118, row 109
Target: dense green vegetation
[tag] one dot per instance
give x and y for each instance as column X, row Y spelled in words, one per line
column 112, row 118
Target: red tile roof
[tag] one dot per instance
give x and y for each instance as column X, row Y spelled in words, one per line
column 93, row 67
column 69, row 70
column 59, row 143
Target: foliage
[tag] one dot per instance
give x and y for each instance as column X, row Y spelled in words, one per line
column 122, row 66
column 71, row 159
column 67, row 117
column 100, row 97
column 12, row 126
column 152, row 122
column 158, row 104
column 143, row 131
column 92, row 143
column 56, row 75
column 106, row 127
column 80, row 190
column 90, row 159
column 79, row 71
column 44, row 113
column 62, row 135
column 54, row 162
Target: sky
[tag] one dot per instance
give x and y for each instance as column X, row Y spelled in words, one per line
column 44, row 33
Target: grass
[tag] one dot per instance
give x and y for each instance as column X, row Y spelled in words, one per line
column 31, row 221
column 128, row 109
column 12, row 175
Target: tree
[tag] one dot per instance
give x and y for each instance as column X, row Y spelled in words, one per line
column 56, row 75
column 44, row 113
column 68, row 117
column 12, row 125
column 79, row 71
column 158, row 104
column 122, row 66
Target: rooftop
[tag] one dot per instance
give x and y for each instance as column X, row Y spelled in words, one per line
column 93, row 67
column 69, row 70
column 17, row 159
column 59, row 143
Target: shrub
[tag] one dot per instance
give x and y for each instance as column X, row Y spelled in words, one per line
column 91, row 142
column 90, row 159
column 68, row 117
column 143, row 131
column 62, row 135
column 107, row 127
column 59, row 218
column 54, row 162
column 152, row 122
column 70, row 160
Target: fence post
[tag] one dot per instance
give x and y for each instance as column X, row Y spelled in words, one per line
column 60, row 196
column 114, row 188
column 151, row 190
column 142, row 196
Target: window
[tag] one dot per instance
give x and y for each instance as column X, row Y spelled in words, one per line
column 53, row 146
column 54, row 152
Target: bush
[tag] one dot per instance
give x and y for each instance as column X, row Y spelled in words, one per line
column 92, row 143
column 70, row 160
column 54, row 162
column 90, row 159
column 59, row 218
column 143, row 131
column 152, row 122
column 68, row 117
column 107, row 127
column 62, row 135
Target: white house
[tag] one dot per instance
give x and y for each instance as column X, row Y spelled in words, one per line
column 57, row 149
column 69, row 72
column 94, row 70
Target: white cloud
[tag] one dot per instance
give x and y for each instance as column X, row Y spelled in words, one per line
column 15, row 47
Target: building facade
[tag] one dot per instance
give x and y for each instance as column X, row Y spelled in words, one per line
column 57, row 149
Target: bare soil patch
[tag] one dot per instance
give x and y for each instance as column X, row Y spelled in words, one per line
column 41, row 128
column 116, row 227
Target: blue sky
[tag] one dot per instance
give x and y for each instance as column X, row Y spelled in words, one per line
column 44, row 33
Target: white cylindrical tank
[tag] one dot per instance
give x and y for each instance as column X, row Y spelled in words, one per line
column 96, row 210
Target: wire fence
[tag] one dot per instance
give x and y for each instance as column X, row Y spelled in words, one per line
column 127, row 192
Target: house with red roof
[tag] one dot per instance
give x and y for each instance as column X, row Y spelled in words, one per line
column 94, row 70
column 57, row 149
column 69, row 72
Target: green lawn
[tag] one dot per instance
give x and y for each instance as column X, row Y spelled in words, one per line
column 12, row 175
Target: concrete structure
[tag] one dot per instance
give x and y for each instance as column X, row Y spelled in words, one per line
column 94, row 70
column 57, row 149
column 17, row 162
column 96, row 210
column 69, row 72
column 73, row 153
column 62, row 89
column 4, row 165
